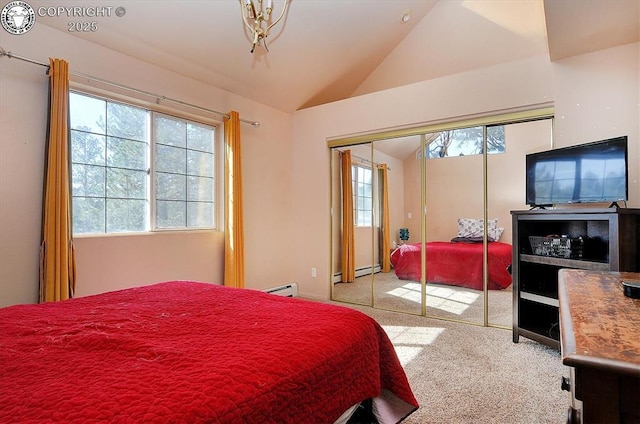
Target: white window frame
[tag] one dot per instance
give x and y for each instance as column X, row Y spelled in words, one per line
column 154, row 172
column 357, row 211
column 216, row 126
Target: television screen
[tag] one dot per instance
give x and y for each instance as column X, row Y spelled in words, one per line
column 592, row 172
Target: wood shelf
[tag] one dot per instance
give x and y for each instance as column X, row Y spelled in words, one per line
column 565, row 263
column 545, row 300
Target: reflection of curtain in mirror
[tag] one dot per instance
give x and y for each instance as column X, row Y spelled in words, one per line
column 348, row 245
column 385, row 261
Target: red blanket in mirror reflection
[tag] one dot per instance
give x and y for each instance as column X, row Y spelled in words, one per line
column 458, row 264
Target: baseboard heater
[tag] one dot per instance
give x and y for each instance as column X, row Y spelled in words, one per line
column 337, row 277
column 287, row 290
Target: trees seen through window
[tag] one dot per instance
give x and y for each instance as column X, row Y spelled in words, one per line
column 113, row 190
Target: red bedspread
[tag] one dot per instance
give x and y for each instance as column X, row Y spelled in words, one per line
column 188, row 352
column 458, row 264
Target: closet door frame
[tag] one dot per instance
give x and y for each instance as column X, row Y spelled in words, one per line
column 513, row 116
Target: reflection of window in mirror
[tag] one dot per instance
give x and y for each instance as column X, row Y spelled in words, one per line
column 362, row 196
column 465, row 142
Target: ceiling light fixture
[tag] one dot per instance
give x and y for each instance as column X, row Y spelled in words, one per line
column 258, row 20
column 406, row 16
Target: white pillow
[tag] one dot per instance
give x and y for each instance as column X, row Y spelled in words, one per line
column 471, row 228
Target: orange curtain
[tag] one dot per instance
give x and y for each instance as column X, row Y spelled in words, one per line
column 57, row 256
column 385, row 261
column 234, row 225
column 348, row 245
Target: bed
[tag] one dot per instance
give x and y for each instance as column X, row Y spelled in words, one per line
column 194, row 352
column 455, row 263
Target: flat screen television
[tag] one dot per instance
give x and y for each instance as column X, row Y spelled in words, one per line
column 591, row 172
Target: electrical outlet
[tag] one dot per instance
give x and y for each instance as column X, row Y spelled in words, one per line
column 313, row 272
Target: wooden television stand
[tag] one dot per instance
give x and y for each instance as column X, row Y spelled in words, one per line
column 611, row 242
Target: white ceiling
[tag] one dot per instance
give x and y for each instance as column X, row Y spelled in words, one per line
column 327, row 50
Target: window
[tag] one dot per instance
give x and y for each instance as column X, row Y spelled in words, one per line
column 184, row 179
column 362, row 195
column 465, row 141
column 112, row 146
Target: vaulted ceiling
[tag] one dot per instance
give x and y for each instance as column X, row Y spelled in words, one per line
column 327, row 50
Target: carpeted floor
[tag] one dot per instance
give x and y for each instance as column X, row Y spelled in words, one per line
column 463, row 373
column 443, row 301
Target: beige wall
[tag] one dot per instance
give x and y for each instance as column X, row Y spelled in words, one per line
column 106, row 263
column 412, row 198
column 454, row 190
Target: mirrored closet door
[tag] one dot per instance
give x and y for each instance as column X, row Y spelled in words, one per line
column 398, row 200
column 454, row 217
column 505, row 192
column 430, row 213
column 353, row 236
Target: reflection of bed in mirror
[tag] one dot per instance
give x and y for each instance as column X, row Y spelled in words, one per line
column 455, row 263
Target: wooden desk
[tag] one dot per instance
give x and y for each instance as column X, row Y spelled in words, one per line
column 600, row 339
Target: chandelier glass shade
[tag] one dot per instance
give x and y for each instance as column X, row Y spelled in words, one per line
column 257, row 17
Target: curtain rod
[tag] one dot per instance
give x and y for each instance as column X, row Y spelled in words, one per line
column 10, row 55
column 367, row 160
